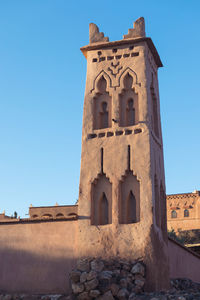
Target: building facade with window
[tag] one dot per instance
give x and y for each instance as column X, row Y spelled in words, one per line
column 183, row 211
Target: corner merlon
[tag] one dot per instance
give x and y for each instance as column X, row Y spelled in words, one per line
column 138, row 29
column 96, row 36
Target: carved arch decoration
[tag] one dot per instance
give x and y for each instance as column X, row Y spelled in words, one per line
column 101, row 200
column 135, row 83
column 129, row 198
column 35, row 216
column 101, row 104
column 128, row 99
column 59, row 215
column 47, row 216
column 97, row 78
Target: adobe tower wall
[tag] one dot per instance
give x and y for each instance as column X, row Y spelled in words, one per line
column 122, row 169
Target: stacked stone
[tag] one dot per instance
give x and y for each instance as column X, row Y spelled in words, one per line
column 107, row 280
column 181, row 289
column 33, row 297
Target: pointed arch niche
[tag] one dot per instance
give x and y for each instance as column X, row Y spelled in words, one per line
column 129, row 201
column 128, row 103
column 101, row 202
column 101, row 105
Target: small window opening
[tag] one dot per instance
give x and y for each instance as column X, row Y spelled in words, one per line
column 174, row 214
column 186, row 213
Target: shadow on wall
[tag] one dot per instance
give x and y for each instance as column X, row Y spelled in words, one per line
column 37, row 257
column 25, row 272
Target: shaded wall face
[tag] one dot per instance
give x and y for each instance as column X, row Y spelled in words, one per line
column 183, row 264
column 37, row 257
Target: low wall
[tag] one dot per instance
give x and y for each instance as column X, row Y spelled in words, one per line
column 182, row 262
column 36, row 257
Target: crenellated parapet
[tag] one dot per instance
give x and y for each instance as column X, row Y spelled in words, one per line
column 138, row 29
column 96, row 36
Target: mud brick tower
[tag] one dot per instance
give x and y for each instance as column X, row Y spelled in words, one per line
column 122, row 206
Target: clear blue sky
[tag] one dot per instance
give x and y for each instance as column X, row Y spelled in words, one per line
column 42, row 81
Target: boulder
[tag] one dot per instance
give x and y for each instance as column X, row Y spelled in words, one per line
column 97, row 265
column 114, row 289
column 94, row 293
column 107, row 296
column 77, row 288
column 75, row 276
column 138, row 268
column 83, row 277
column 123, row 283
column 91, row 285
column 140, row 282
column 83, row 296
column 91, row 275
column 123, row 294
column 83, row 265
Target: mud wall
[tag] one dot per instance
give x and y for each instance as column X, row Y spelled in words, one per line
column 37, row 257
column 182, row 262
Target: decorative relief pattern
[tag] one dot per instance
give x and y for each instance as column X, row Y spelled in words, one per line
column 114, row 69
column 117, row 57
column 114, row 133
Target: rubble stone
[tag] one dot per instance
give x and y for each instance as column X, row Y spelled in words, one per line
column 97, row 265
column 83, row 265
column 75, row 276
column 91, row 275
column 83, row 277
column 123, row 294
column 94, row 293
column 77, row 288
column 83, row 296
column 91, row 285
column 138, row 268
column 107, row 296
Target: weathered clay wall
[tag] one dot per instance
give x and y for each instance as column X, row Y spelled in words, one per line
column 182, row 262
column 37, row 257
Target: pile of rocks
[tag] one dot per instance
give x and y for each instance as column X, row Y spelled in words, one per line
column 107, row 280
column 4, row 296
column 185, row 284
